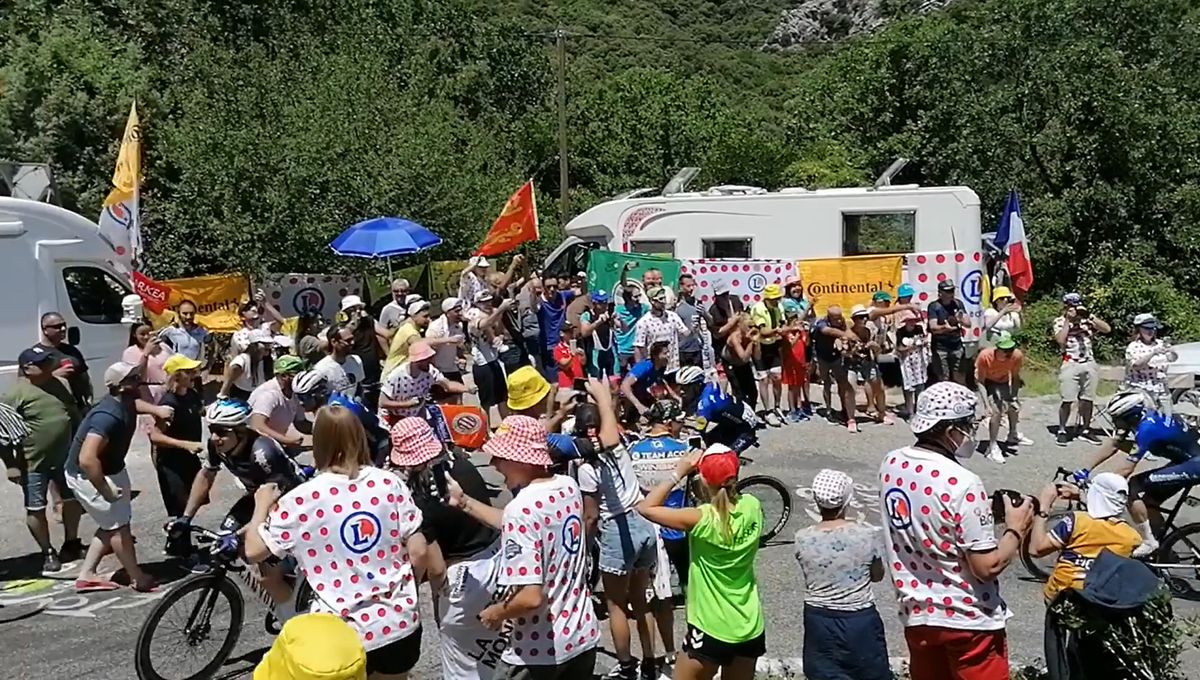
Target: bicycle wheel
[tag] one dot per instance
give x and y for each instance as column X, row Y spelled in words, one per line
column 776, row 500
column 189, row 634
column 1041, row 567
column 1179, row 555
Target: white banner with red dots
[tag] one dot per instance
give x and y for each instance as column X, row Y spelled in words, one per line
column 927, row 270
column 745, row 279
column 295, row 293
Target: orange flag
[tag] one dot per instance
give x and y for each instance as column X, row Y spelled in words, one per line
column 517, row 224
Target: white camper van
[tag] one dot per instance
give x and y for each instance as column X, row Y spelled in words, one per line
column 749, row 222
column 54, row 260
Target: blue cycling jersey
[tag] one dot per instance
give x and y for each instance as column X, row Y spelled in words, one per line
column 654, row 458
column 1164, row 436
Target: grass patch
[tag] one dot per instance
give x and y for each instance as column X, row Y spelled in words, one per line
column 1040, row 379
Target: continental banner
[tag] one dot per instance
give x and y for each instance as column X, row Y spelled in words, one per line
column 849, row 281
column 217, row 299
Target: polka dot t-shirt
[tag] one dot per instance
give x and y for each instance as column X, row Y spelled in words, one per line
column 935, row 511
column 348, row 537
column 542, row 542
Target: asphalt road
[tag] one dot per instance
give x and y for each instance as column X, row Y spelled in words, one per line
column 46, row 629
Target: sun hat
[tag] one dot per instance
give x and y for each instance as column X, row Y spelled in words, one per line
column 420, row 351
column 945, row 286
column 772, row 292
column 1000, row 293
column 288, row 363
column 351, row 301
column 1072, row 299
column 36, row 355
column 720, row 285
column 858, row 310
column 718, row 465
column 1145, row 321
column 1107, row 495
column 178, row 362
column 483, row 296
column 940, row 402
column 520, row 439
column 656, row 293
column 261, row 336
column 413, row 443
column 479, row 261
column 1006, row 341
column 119, row 373
column 881, row 296
column 417, row 307
column 314, row 647
column 451, row 303
column 526, row 387
column 905, row 290
column 832, row 489
column 599, row 297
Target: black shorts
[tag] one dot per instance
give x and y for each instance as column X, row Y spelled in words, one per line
column 489, row 380
column 768, row 357
column 677, row 555
column 396, row 657
column 704, row 647
column 695, row 358
column 604, row 366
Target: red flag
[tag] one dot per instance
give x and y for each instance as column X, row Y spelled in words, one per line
column 154, row 294
column 517, row 224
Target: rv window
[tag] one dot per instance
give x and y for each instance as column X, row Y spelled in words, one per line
column 727, row 248
column 95, row 295
column 653, row 247
column 878, row 233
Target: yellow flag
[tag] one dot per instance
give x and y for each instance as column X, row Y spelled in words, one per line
column 128, row 174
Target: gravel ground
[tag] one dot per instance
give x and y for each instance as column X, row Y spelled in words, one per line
column 93, row 636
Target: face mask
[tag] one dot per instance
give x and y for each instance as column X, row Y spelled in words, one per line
column 966, row 448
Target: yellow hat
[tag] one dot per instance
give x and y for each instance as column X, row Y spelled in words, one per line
column 1001, row 292
column 314, row 647
column 526, row 387
column 772, row 292
column 178, row 362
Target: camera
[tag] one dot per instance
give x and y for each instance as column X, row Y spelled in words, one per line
column 580, row 387
column 1017, row 498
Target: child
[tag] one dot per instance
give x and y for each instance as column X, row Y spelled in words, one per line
column 913, row 348
column 570, row 363
column 795, row 366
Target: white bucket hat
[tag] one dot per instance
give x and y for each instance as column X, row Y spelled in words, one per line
column 943, row 401
column 832, row 489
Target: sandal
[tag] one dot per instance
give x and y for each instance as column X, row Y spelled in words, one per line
column 95, row 586
column 149, row 587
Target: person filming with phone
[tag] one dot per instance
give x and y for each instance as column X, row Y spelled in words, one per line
column 1079, row 376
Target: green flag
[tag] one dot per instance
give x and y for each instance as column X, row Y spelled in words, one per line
column 604, row 269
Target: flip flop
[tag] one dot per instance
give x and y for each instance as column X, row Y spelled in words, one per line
column 152, row 588
column 95, row 586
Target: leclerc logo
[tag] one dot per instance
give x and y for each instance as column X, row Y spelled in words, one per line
column 308, row 298
column 360, row 532
column 972, row 286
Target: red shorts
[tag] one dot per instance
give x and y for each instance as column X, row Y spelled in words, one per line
column 794, row 372
column 948, row 654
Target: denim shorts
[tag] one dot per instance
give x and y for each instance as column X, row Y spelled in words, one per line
column 36, row 485
column 628, row 542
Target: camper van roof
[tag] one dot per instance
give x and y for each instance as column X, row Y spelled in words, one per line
column 54, row 222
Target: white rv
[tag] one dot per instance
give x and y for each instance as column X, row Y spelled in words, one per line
column 55, row 260
column 748, row 222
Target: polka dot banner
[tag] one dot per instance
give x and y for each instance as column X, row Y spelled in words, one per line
column 965, row 270
column 745, row 278
column 294, row 293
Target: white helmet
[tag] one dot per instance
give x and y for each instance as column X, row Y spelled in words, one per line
column 1124, row 408
column 689, row 375
column 308, row 381
column 228, row 413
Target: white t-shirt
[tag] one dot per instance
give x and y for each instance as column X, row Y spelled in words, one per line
column 935, row 511
column 349, row 537
column 614, row 479
column 1153, row 376
column 392, row 315
column 280, row 410
column 402, row 385
column 445, row 357
column 542, row 542
column 1010, row 323
column 343, row 378
column 483, row 348
column 248, row 380
column 651, row 329
column 240, row 340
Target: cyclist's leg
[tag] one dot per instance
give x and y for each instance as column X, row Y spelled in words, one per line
column 1149, row 490
column 273, row 581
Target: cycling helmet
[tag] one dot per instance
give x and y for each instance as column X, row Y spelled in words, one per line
column 228, row 413
column 664, row 411
column 1072, row 299
column 1125, row 409
column 587, row 420
column 309, row 382
column 689, row 375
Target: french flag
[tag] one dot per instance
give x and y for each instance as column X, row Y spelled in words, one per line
column 1010, row 239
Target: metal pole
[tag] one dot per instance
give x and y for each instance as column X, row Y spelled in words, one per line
column 564, row 179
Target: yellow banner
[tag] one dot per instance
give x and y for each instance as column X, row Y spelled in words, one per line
column 849, row 281
column 217, row 300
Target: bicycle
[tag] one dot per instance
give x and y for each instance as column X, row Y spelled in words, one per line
column 198, row 628
column 1177, row 559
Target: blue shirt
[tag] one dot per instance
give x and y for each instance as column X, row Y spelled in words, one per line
column 188, row 342
column 629, row 315
column 110, row 419
column 645, row 376
column 1165, row 436
column 651, row 457
column 550, row 318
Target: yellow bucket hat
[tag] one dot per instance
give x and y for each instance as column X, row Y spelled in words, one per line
column 314, row 647
column 526, row 387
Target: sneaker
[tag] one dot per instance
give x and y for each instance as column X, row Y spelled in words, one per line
column 802, row 416
column 793, row 416
column 198, row 564
column 995, row 455
column 887, row 419
column 772, row 419
column 1146, row 549
column 71, row 551
column 1019, row 440
column 50, row 563
column 624, row 670
column 1089, row 437
column 1062, row 438
column 852, row 426
column 807, row 409
column 649, row 669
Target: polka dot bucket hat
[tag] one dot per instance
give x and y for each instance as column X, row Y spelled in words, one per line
column 942, row 401
column 520, row 439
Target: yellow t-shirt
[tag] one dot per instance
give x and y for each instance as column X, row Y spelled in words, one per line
column 1081, row 538
column 405, row 336
column 762, row 316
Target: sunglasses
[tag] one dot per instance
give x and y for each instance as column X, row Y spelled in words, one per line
column 218, row 431
column 53, row 326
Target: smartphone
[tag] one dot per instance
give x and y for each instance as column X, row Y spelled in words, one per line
column 581, row 394
column 696, row 442
column 440, row 472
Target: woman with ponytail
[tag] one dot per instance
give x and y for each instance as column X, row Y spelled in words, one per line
column 726, row 632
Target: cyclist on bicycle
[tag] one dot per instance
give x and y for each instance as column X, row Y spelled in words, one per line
column 690, row 381
column 729, row 420
column 255, row 461
column 313, row 391
column 1138, row 424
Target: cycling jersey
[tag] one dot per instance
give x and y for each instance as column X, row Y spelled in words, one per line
column 377, row 436
column 263, row 463
column 1081, row 537
column 1164, row 436
column 654, row 460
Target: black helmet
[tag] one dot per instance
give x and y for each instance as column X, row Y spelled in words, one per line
column 664, row 411
column 587, row 420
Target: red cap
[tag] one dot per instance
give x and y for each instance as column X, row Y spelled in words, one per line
column 718, row 465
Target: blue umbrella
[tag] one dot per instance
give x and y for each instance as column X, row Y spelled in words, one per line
column 384, row 237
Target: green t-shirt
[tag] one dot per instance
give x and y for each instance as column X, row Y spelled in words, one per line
column 52, row 416
column 722, row 593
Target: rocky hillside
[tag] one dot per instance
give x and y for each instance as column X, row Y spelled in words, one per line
column 822, row 21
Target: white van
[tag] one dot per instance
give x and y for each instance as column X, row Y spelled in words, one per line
column 55, row 260
column 748, row 222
